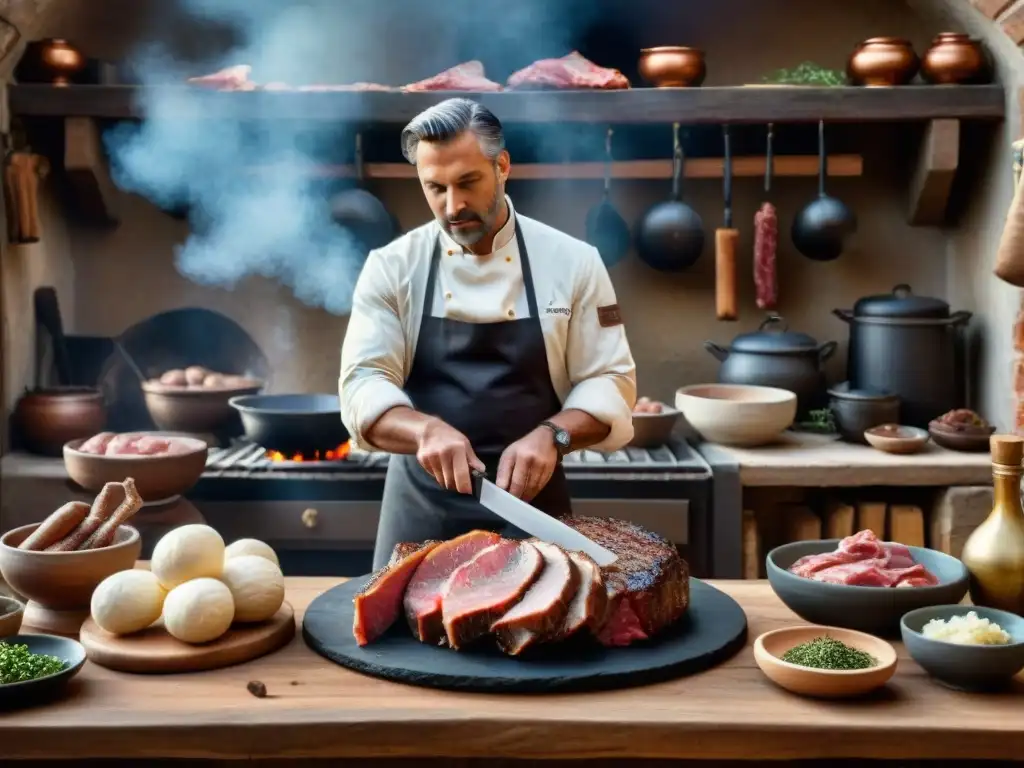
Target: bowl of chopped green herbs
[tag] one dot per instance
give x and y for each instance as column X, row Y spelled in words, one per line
column 36, row 667
column 825, row 662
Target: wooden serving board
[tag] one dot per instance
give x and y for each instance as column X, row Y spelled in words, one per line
column 712, row 629
column 154, row 651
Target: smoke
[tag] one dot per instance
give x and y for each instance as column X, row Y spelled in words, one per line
column 276, row 224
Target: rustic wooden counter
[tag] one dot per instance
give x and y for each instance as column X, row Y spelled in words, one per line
column 811, row 461
column 315, row 709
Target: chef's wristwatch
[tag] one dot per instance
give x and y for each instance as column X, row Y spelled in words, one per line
column 563, row 441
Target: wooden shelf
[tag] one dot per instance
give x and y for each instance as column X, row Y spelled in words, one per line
column 698, row 168
column 738, row 104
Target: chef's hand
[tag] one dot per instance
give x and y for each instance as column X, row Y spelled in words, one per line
column 446, row 454
column 527, row 465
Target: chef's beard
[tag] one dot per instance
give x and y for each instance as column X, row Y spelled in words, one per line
column 484, row 223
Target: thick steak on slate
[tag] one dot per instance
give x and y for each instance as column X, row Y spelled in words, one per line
column 486, row 587
column 422, row 601
column 542, row 611
column 648, row 586
column 377, row 605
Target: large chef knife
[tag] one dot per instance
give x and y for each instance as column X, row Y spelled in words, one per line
column 536, row 523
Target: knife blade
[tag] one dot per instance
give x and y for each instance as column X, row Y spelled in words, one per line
column 536, row 523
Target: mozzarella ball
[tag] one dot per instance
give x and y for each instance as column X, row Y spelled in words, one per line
column 188, row 552
column 127, row 601
column 256, row 585
column 199, row 611
column 251, row 547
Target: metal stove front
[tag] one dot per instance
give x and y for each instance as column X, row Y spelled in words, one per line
column 321, row 516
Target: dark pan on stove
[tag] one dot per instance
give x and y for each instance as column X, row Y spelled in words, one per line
column 292, row 424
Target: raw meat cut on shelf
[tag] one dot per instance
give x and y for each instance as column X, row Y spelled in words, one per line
column 468, row 76
column 571, row 72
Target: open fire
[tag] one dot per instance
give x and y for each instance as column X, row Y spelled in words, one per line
column 336, row 454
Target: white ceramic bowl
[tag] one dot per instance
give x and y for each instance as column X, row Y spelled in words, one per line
column 737, row 414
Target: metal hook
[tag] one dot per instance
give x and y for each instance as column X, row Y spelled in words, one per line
column 608, row 160
column 359, row 157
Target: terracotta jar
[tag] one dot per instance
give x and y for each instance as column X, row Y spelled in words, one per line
column 48, row 418
column 882, row 61
column 954, row 59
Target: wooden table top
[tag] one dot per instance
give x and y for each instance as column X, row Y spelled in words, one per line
column 315, row 709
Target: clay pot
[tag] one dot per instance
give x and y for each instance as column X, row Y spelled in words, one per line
column 48, row 418
column 882, row 61
column 672, row 66
column 954, row 59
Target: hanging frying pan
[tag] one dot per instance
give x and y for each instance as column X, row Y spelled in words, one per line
column 670, row 236
column 820, row 230
column 361, row 212
column 606, row 229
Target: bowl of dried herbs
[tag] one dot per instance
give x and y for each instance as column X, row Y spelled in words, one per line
column 825, row 662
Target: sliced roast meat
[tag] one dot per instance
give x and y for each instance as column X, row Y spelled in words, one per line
column 484, row 589
column 573, row 71
column 648, row 585
column 468, row 76
column 378, row 604
column 542, row 611
column 406, row 548
column 587, row 607
column 422, row 602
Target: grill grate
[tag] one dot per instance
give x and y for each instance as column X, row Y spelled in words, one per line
column 249, row 459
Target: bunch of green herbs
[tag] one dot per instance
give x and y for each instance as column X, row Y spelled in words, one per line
column 807, row 73
column 18, row 664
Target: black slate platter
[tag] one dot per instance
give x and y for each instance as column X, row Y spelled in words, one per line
column 713, row 629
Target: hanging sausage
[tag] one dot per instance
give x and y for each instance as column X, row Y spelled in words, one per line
column 766, row 238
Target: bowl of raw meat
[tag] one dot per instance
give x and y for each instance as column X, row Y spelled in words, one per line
column 862, row 582
column 163, row 466
column 652, row 423
column 195, row 399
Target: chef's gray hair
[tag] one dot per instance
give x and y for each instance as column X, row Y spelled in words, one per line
column 443, row 122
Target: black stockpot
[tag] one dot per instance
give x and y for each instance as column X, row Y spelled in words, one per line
column 911, row 346
column 774, row 356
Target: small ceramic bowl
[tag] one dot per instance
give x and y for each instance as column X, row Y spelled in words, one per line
column 965, row 667
column 967, row 439
column 770, row 647
column 11, row 613
column 651, row 430
column 877, row 610
column 894, row 438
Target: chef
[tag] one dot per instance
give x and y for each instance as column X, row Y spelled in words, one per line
column 483, row 340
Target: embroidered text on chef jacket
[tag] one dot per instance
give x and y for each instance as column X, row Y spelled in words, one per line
column 591, row 365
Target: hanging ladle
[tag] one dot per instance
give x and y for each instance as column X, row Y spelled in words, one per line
column 820, row 229
column 606, row 229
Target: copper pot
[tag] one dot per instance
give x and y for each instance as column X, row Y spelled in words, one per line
column 48, row 418
column 54, row 61
column 954, row 59
column 882, row 61
column 672, row 66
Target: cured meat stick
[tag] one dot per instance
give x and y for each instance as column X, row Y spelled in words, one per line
column 104, row 535
column 726, row 239
column 102, row 508
column 766, row 239
column 55, row 527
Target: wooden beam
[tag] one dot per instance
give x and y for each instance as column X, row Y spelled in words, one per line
column 936, row 169
column 698, row 168
column 733, row 104
column 991, row 8
column 1013, row 23
column 86, row 166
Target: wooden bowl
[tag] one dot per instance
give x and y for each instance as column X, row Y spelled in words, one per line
column 195, row 410
column 651, row 430
column 966, row 439
column 894, row 438
column 737, row 414
column 157, row 477
column 59, row 585
column 11, row 614
column 823, row 683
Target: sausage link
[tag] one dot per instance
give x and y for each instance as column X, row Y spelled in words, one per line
column 104, row 535
column 766, row 238
column 55, row 527
column 102, row 508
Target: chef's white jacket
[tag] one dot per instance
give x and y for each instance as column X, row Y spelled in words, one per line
column 591, row 365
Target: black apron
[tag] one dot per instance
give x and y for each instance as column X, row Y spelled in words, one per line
column 491, row 382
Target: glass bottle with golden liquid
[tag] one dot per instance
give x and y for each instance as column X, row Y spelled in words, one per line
column 994, row 552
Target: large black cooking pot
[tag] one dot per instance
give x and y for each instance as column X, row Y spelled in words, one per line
column 911, row 346
column 292, row 424
column 774, row 356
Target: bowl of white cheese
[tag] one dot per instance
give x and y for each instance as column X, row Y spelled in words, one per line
column 967, row 647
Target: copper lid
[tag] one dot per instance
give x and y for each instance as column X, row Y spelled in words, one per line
column 1007, row 450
